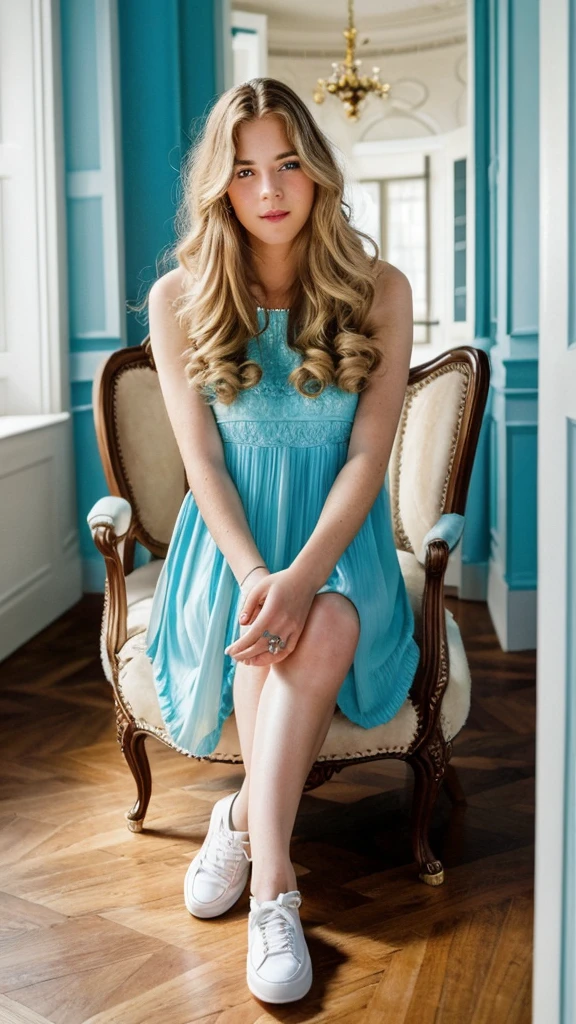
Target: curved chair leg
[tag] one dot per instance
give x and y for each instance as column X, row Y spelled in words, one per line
column 429, row 765
column 132, row 743
column 453, row 787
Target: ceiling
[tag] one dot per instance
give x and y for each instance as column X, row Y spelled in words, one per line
column 304, row 25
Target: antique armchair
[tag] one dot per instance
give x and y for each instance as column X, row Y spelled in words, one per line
column 429, row 473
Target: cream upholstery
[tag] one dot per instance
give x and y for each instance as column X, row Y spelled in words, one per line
column 419, row 474
column 423, row 452
column 344, row 740
column 140, row 586
column 148, row 451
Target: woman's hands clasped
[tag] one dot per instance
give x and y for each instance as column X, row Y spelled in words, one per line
column 278, row 602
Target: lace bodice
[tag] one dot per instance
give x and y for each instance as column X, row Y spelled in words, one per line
column 273, row 412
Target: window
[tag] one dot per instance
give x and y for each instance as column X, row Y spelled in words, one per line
column 398, row 220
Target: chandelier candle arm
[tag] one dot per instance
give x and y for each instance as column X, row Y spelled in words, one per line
column 345, row 82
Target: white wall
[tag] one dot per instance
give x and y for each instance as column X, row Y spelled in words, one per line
column 39, row 555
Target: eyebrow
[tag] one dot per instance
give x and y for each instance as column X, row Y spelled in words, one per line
column 281, row 156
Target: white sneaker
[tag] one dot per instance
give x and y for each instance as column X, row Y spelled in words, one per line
column 217, row 876
column 278, row 968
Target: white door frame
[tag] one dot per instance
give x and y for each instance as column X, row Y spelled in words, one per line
column 555, row 905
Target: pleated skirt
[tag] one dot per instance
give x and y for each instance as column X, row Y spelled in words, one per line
column 197, row 600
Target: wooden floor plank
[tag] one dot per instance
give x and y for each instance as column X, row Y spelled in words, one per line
column 93, row 928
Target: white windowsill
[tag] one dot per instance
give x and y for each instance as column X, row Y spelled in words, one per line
column 10, row 426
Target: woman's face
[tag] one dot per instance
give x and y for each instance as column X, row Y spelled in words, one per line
column 268, row 176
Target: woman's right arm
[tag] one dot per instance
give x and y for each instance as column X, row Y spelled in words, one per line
column 197, row 435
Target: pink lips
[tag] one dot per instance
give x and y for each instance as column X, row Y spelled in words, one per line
column 276, row 216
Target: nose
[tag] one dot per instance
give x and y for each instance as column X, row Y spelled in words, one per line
column 270, row 187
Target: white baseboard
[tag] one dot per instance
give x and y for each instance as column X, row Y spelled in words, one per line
column 474, row 581
column 513, row 612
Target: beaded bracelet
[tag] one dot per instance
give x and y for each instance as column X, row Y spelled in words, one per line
column 252, row 570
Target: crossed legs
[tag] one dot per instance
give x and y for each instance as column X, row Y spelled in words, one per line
column 283, row 713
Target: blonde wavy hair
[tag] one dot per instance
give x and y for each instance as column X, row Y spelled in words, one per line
column 328, row 320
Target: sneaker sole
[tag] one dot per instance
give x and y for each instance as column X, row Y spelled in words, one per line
column 279, row 992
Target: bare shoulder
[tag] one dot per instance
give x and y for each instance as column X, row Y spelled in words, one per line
column 167, row 288
column 392, row 291
column 391, row 307
column 167, row 334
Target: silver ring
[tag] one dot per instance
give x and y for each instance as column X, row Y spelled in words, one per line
column 275, row 642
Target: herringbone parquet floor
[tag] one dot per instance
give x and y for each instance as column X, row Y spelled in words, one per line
column 93, row 928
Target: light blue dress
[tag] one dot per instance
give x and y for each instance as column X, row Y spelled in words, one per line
column 283, row 452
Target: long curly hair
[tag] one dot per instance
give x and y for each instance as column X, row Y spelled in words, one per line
column 328, row 321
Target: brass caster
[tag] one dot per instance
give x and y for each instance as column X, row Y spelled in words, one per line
column 134, row 825
column 435, row 876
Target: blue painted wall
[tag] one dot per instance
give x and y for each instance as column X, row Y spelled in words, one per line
column 166, row 64
column 515, row 196
column 507, row 273
column 168, row 82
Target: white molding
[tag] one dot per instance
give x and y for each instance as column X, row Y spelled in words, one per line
column 11, row 426
column 513, row 612
column 84, row 365
column 557, row 404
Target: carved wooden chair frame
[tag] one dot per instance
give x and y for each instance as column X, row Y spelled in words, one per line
column 429, row 753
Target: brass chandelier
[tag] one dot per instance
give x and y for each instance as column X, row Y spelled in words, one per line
column 344, row 81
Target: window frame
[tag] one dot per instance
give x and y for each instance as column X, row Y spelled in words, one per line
column 422, row 336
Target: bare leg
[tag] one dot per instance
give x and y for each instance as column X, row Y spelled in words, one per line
column 248, row 683
column 293, row 718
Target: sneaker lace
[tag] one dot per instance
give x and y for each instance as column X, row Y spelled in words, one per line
column 223, row 853
column 275, row 923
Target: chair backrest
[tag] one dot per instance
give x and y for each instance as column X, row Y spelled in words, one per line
column 435, row 444
column 140, row 457
column 429, row 469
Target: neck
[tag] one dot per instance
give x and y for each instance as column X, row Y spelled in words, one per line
column 275, row 269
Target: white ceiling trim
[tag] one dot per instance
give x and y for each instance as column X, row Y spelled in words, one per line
column 298, row 27
column 307, row 53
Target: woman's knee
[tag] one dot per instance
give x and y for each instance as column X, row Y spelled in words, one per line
column 333, row 615
column 330, row 635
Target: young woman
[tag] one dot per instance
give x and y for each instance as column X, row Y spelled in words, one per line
column 283, row 352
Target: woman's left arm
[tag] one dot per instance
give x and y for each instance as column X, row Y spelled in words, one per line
column 375, row 423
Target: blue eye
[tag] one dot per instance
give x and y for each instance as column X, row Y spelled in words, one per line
column 290, row 163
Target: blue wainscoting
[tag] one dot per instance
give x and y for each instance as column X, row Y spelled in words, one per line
column 507, row 223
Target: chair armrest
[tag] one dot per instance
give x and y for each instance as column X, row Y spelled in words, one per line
column 109, row 521
column 111, row 511
column 448, row 528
